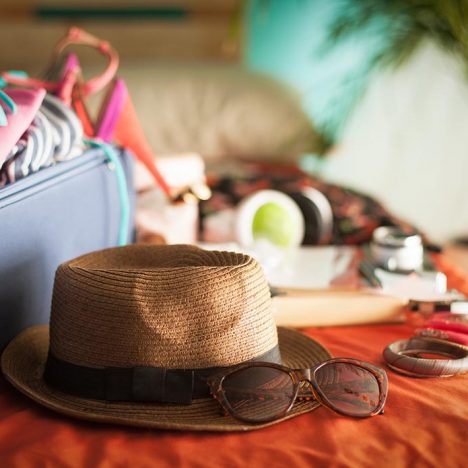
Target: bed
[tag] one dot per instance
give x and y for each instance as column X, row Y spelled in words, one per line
column 425, row 424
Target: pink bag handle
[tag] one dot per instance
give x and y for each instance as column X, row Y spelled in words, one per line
column 79, row 37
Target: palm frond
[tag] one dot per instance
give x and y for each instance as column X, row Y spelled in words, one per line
column 410, row 21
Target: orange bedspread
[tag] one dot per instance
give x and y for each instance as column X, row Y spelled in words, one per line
column 425, row 424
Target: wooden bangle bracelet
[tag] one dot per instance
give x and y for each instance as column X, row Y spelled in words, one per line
column 406, row 357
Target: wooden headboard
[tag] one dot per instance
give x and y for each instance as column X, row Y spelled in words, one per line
column 206, row 30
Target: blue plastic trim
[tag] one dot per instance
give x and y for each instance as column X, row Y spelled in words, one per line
column 121, row 186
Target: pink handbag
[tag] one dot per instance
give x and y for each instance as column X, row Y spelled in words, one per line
column 117, row 121
column 27, row 103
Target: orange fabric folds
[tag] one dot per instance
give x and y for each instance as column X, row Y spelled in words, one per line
column 425, row 424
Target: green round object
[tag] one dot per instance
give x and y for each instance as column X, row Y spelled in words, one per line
column 274, row 223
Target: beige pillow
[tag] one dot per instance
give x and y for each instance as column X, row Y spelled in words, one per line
column 219, row 111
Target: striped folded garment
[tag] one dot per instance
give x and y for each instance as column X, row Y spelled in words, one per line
column 55, row 135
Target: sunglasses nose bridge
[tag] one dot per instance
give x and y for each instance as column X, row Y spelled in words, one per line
column 306, row 389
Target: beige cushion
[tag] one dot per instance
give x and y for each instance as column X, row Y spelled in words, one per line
column 218, row 111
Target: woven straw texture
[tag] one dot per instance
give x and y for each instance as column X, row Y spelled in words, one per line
column 23, row 365
column 163, row 306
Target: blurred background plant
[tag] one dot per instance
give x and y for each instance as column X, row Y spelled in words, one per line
column 412, row 20
column 329, row 50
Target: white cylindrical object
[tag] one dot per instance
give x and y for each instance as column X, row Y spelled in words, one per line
column 395, row 250
column 459, row 307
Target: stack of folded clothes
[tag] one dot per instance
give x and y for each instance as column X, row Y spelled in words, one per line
column 44, row 134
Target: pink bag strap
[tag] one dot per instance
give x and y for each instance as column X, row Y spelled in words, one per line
column 75, row 36
column 28, row 81
column 70, row 75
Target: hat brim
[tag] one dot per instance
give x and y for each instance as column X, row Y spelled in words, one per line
column 23, row 365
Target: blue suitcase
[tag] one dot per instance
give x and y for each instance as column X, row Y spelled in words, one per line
column 51, row 216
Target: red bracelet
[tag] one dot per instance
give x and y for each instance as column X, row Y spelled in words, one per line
column 449, row 322
column 460, row 338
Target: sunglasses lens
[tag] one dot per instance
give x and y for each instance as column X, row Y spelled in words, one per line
column 258, row 393
column 348, row 388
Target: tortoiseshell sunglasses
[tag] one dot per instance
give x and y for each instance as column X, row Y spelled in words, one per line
column 259, row 392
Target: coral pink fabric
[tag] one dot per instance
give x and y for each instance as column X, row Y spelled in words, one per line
column 425, row 424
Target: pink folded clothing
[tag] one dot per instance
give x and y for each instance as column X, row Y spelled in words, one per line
column 27, row 103
column 54, row 135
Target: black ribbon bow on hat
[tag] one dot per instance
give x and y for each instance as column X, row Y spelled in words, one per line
column 143, row 384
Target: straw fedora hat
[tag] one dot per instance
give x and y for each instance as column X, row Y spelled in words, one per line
column 130, row 326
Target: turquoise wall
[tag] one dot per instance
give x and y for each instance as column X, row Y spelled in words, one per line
column 291, row 40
